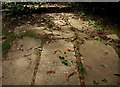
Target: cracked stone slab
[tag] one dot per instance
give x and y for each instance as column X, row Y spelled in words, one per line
column 19, row 65
column 101, row 63
column 38, row 30
column 51, row 70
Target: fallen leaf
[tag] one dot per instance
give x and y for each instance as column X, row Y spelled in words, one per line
column 4, row 37
column 50, row 72
column 117, row 74
column 57, row 51
column 71, row 74
column 27, row 55
column 106, row 53
column 68, row 50
column 88, row 66
column 104, row 80
column 66, row 77
column 75, row 70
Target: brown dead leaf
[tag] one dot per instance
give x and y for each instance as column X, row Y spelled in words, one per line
column 14, row 42
column 110, row 40
column 50, row 72
column 86, row 37
column 89, row 67
column 4, row 37
column 66, row 77
column 57, row 51
column 27, row 55
column 75, row 70
column 105, row 32
column 67, row 50
column 20, row 47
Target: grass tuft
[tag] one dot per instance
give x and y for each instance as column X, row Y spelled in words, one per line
column 6, row 44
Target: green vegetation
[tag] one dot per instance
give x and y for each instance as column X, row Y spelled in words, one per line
column 10, row 37
column 103, row 41
column 48, row 22
column 82, row 14
column 65, row 62
column 93, row 22
column 6, row 44
column 100, row 28
column 103, row 66
column 81, row 68
column 114, row 30
column 95, row 82
column 28, row 33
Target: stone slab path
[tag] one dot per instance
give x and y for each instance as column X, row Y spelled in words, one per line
column 51, row 70
column 49, row 58
column 101, row 63
column 18, row 67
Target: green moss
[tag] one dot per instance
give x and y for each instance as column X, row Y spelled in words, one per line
column 28, row 33
column 114, row 30
column 48, row 22
column 81, row 68
column 7, row 43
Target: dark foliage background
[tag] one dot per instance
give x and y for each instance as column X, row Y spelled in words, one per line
column 108, row 10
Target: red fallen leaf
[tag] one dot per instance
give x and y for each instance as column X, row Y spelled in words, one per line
column 71, row 74
column 75, row 70
column 67, row 77
column 50, row 72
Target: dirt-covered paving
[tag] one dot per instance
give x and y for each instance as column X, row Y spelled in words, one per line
column 60, row 49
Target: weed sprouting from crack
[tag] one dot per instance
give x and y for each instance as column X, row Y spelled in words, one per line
column 65, row 62
column 48, row 22
column 81, row 69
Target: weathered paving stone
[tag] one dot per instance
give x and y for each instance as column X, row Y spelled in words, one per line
column 19, row 65
column 65, row 32
column 75, row 23
column 37, row 30
column 101, row 63
column 22, row 28
column 51, row 70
